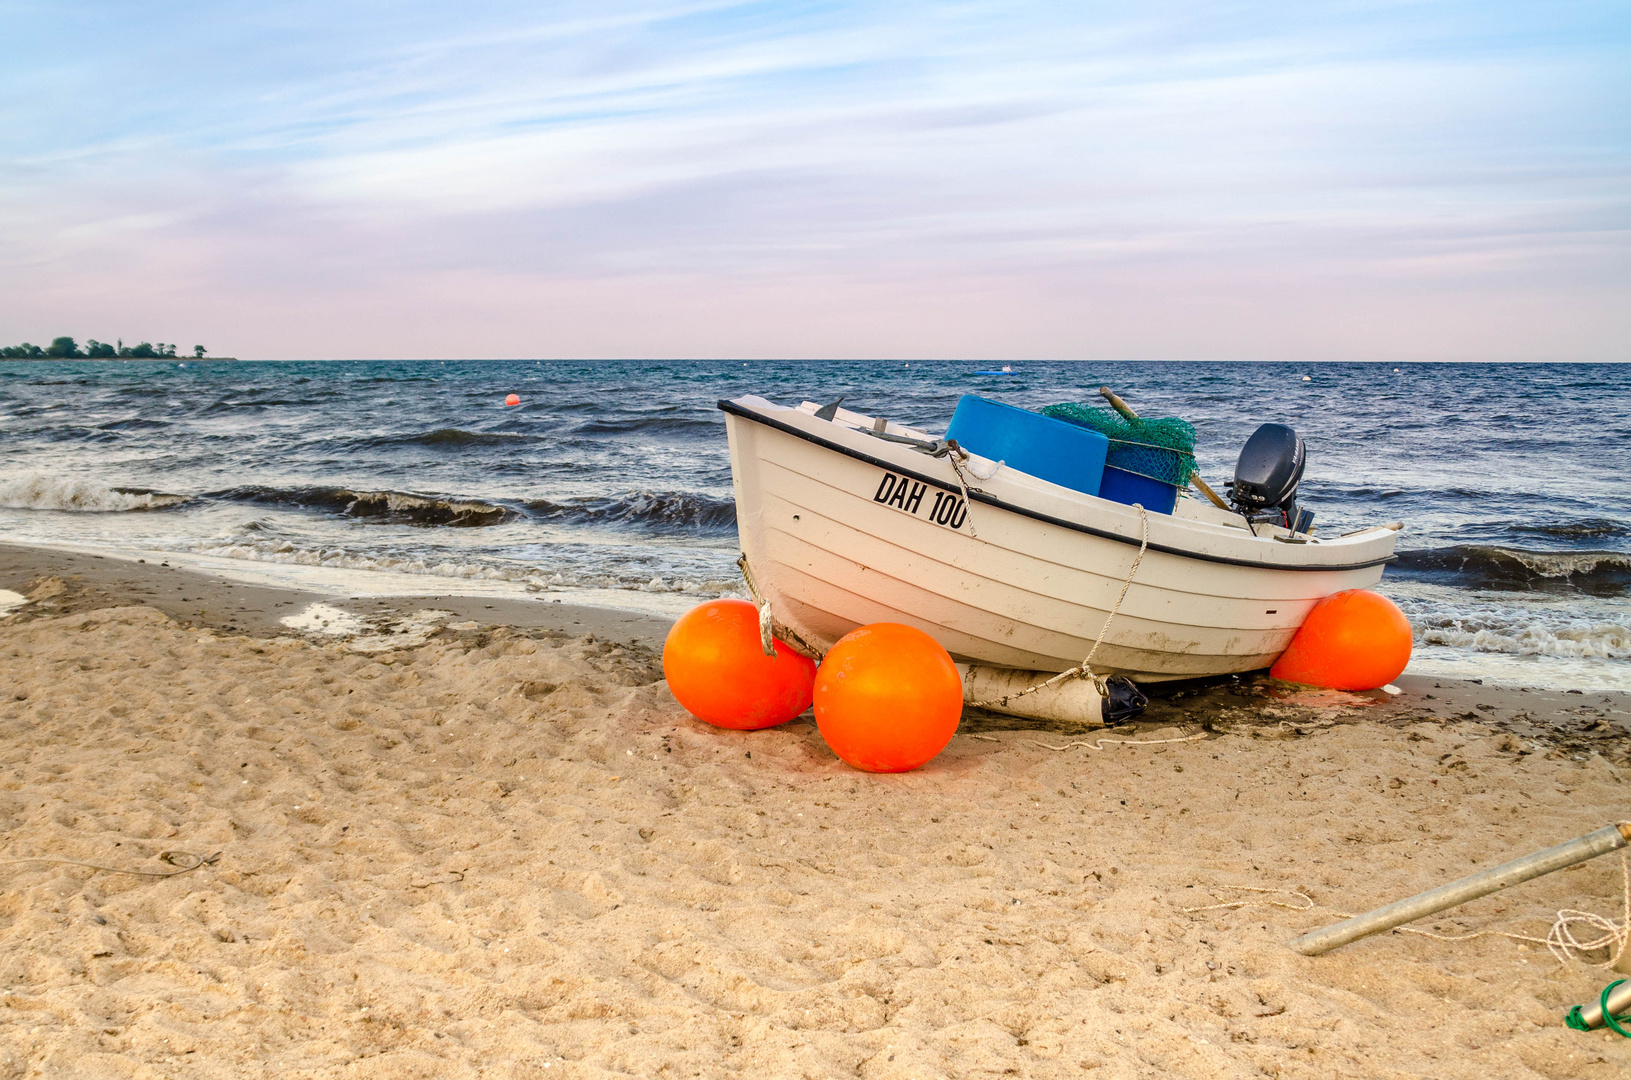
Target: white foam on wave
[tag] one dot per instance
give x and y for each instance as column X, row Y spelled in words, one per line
column 288, row 553
column 40, row 492
column 1562, row 564
column 1517, row 638
column 1608, row 641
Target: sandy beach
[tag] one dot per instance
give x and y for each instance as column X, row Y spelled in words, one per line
column 487, row 842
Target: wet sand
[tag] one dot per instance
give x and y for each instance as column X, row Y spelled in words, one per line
column 503, row 850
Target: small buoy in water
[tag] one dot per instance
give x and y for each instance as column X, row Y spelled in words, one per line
column 1308, row 378
column 513, row 399
column 887, row 698
column 717, row 668
column 1352, row 640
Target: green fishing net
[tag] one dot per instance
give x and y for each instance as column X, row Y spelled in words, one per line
column 1162, row 448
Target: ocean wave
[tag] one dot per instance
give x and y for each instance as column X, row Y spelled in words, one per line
column 39, row 492
column 392, row 507
column 137, row 424
column 535, row 579
column 1598, row 573
column 452, row 438
column 1575, row 529
column 662, row 511
column 650, row 426
column 1520, row 637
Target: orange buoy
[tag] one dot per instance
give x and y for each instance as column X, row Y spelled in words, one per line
column 1352, row 640
column 887, row 698
column 717, row 668
column 513, row 399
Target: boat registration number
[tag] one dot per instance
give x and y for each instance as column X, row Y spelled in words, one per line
column 914, row 497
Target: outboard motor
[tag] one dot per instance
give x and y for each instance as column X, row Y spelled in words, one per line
column 1266, row 477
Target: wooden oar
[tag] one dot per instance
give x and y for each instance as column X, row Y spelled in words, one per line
column 1194, row 477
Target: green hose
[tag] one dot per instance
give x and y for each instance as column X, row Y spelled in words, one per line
column 1576, row 1021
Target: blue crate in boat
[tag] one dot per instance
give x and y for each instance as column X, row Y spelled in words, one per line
column 1065, row 454
column 1129, row 487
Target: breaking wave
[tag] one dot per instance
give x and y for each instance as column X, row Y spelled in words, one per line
column 1598, row 573
column 1526, row 637
column 390, row 507
column 39, row 492
column 663, row 511
column 536, row 579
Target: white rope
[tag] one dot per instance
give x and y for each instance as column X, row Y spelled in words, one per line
column 1085, row 669
column 1562, row 943
column 1098, row 744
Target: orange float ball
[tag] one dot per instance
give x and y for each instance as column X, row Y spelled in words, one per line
column 1352, row 640
column 513, row 399
column 887, row 698
column 717, row 668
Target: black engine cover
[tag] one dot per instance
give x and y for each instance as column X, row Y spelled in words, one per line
column 1270, row 465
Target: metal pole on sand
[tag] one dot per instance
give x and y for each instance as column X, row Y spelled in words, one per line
column 1609, row 838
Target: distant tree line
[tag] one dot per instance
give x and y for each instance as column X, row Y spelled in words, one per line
column 66, row 348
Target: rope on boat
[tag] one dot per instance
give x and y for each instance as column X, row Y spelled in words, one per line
column 959, row 459
column 769, row 628
column 953, row 453
column 1085, row 669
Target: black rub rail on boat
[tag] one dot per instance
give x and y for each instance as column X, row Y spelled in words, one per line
column 728, row 406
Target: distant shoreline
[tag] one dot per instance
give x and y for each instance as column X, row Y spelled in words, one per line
column 110, row 359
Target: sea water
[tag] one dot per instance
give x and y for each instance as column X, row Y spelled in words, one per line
column 610, row 482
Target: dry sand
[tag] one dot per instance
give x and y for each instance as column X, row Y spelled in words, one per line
column 509, row 853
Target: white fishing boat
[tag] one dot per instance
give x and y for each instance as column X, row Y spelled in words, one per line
column 848, row 519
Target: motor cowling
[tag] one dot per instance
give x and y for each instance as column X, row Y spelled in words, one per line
column 1270, row 465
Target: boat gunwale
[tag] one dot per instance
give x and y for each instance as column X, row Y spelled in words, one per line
column 731, row 408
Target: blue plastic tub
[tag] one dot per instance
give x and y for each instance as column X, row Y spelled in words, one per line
column 1048, row 449
column 1124, row 487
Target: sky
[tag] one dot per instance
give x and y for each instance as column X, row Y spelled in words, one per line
column 1277, row 181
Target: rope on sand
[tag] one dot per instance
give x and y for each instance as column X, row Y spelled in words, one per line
column 188, row 861
column 1561, row 940
column 1097, row 744
column 1306, row 905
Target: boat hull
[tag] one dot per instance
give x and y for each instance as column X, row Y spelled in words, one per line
column 841, row 529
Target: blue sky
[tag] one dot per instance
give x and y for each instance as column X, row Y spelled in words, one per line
column 1260, row 181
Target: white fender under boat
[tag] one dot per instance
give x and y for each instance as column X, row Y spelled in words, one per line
column 842, row 527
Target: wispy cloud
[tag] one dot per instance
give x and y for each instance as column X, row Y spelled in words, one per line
column 941, row 169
